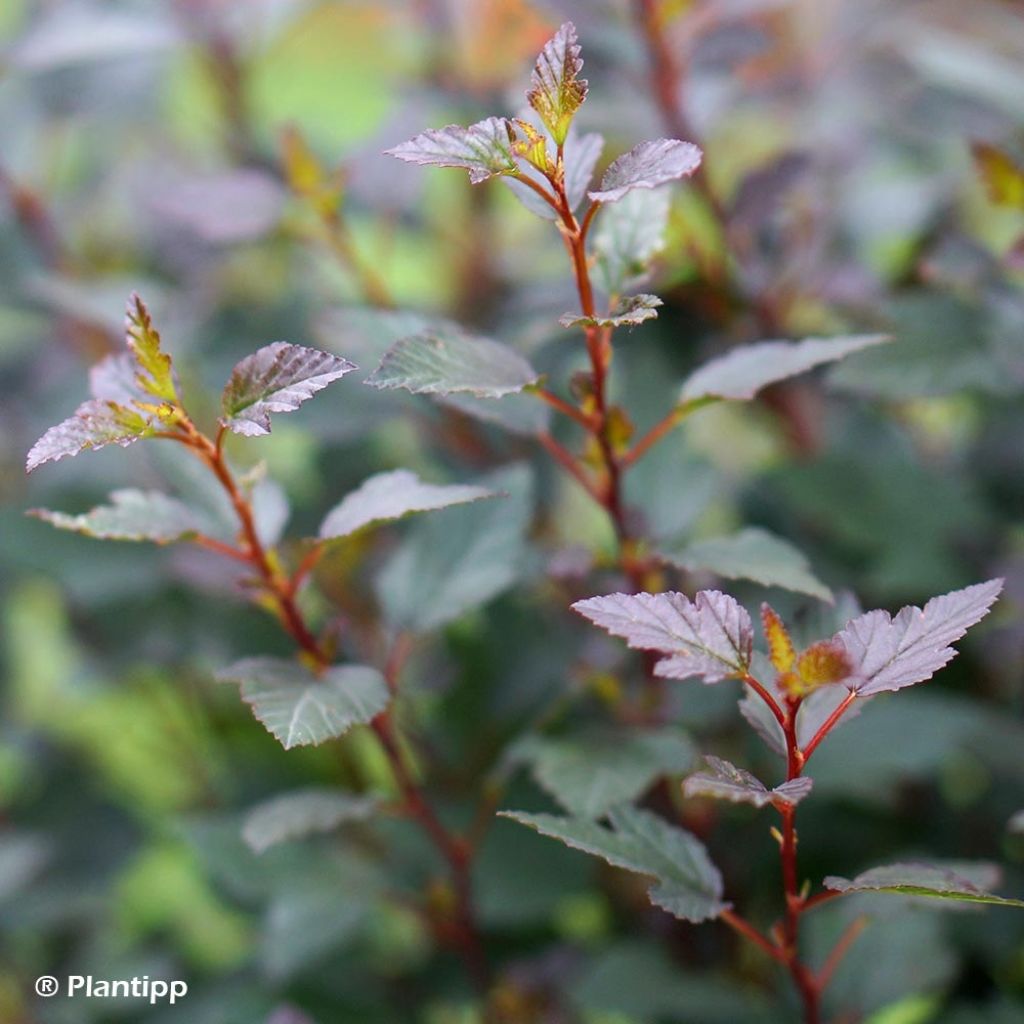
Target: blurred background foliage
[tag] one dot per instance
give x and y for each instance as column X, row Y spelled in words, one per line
column 194, row 151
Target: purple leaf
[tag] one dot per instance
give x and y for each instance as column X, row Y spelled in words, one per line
column 94, row 425
column 724, row 781
column 556, row 90
column 647, row 166
column 890, row 653
column 710, row 637
column 484, row 149
column 391, row 496
column 633, row 310
column 276, row 378
column 743, row 372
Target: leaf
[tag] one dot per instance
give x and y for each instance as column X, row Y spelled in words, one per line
column 628, row 235
column 556, row 89
column 724, row 781
column 752, row 554
column 687, row 884
column 302, row 813
column 391, row 496
column 928, row 880
column 743, row 372
column 710, row 637
column 579, row 158
column 647, row 166
column 276, row 378
column 1002, row 176
column 461, row 558
column 888, row 654
column 591, row 772
column 114, row 379
column 446, row 362
column 132, row 515
column 301, row 709
column 634, row 309
column 484, row 149
column 154, row 374
column 95, row 424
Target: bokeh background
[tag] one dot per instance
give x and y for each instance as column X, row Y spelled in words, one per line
column 147, row 146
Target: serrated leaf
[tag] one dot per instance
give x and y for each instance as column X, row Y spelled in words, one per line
column 687, row 884
column 889, row 653
column 647, row 166
column 633, row 309
column 154, row 373
column 461, row 558
column 484, row 149
column 302, row 813
column 95, row 424
column 115, row 379
column 724, row 781
column 628, row 235
column 752, row 554
column 299, row 708
column 710, row 637
column 391, row 496
column 133, row 516
column 556, row 89
column 926, row 880
column 591, row 772
column 579, row 158
column 444, row 362
column 744, row 371
column 276, row 378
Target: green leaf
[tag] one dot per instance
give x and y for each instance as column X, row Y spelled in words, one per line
column 448, row 362
column 155, row 375
column 276, row 378
column 461, row 558
column 391, row 496
column 628, row 236
column 687, row 884
column 556, row 89
column 517, row 414
column 647, row 165
column 724, row 781
column 484, row 149
column 302, row 813
column 95, row 424
column 591, row 772
column 301, row 709
column 752, row 554
column 634, row 309
column 132, row 515
column 744, row 371
column 925, row 880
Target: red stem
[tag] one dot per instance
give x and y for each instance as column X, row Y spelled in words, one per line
column 827, row 725
column 748, row 931
column 839, row 950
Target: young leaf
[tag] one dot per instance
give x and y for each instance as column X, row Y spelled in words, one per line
column 391, row 496
column 628, row 235
column 484, row 149
column 579, row 158
column 154, row 373
column 591, row 772
column 460, row 558
column 724, row 781
column 634, row 309
column 132, row 515
column 687, row 884
column 302, row 813
column 276, row 378
column 115, row 379
column 927, row 880
column 888, row 654
column 299, row 708
column 710, row 637
column 556, row 89
column 94, row 425
column 752, row 554
column 744, row 371
column 1003, row 177
column 647, row 166
column 447, row 362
